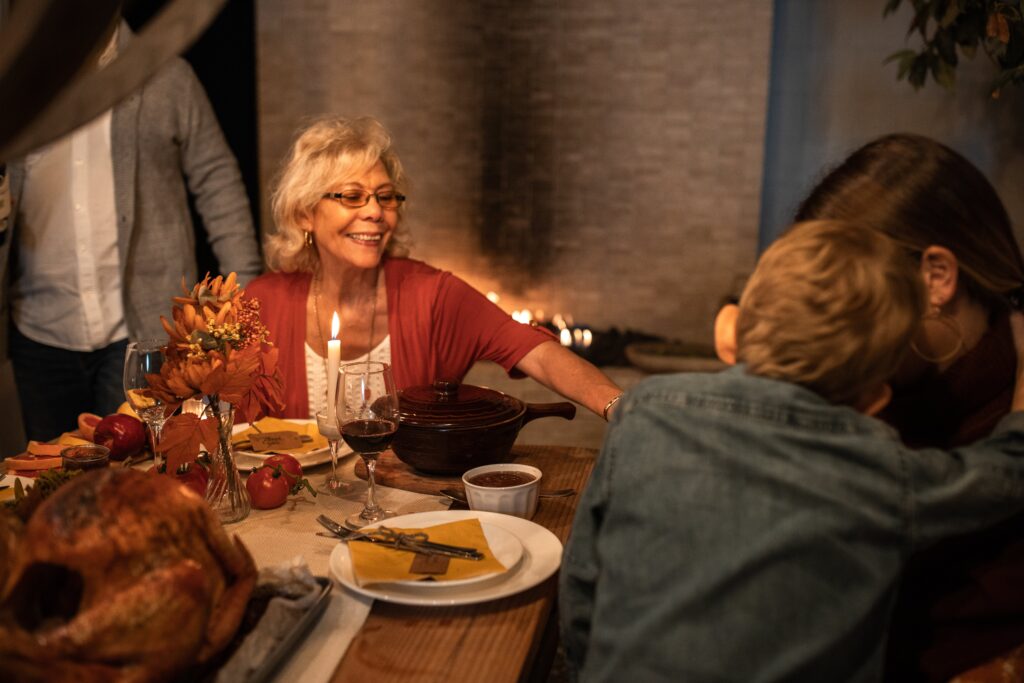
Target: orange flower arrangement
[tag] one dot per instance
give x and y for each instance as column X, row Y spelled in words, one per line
column 217, row 348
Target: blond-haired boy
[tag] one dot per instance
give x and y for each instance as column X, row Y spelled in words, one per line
column 751, row 525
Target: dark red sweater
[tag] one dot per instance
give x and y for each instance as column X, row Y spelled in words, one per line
column 961, row 602
column 439, row 327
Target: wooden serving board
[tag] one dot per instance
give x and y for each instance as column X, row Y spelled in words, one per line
column 551, row 460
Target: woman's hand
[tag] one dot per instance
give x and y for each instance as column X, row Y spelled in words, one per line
column 1017, row 325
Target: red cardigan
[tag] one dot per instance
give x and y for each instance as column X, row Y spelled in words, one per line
column 439, row 327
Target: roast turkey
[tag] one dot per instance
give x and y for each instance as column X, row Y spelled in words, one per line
column 120, row 576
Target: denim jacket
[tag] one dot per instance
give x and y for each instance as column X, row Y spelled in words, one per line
column 738, row 528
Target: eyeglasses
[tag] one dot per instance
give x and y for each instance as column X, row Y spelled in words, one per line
column 356, row 199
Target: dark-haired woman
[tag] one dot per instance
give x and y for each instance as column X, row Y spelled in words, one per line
column 960, row 603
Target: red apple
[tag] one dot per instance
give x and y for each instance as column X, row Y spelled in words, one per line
column 122, row 434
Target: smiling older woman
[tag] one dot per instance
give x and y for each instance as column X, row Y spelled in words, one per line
column 340, row 246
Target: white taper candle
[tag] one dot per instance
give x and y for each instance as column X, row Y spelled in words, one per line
column 333, row 360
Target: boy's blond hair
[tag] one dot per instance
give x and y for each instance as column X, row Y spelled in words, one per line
column 831, row 306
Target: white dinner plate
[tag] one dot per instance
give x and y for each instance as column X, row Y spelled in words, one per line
column 246, row 460
column 541, row 557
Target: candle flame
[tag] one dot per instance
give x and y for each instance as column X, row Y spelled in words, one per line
column 335, row 326
column 565, row 336
column 493, row 297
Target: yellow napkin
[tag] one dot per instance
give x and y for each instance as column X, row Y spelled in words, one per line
column 273, row 424
column 378, row 563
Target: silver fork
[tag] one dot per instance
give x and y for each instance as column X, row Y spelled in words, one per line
column 399, row 541
column 342, row 532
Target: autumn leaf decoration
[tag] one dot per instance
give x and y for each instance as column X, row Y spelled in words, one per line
column 217, row 348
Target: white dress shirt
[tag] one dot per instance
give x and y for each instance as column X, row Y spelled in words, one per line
column 67, row 286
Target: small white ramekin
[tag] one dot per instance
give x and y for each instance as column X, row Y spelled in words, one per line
column 520, row 501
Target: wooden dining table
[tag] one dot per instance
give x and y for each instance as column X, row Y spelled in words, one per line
column 508, row 639
column 511, row 639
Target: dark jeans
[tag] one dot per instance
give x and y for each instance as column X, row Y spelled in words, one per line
column 55, row 385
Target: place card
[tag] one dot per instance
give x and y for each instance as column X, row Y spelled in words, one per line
column 275, row 441
column 429, row 564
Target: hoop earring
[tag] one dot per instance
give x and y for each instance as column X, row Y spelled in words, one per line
column 309, row 239
column 951, row 324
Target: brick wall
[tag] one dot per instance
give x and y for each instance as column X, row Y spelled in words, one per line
column 601, row 159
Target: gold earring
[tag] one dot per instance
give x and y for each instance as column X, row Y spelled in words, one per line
column 951, row 324
column 309, row 239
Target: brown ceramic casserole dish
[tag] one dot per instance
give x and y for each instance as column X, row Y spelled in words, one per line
column 448, row 427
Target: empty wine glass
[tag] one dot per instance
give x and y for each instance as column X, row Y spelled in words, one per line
column 368, row 419
column 329, row 429
column 140, row 359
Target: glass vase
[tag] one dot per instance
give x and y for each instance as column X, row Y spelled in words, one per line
column 225, row 492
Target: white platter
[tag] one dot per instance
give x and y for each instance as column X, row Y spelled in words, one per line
column 541, row 557
column 246, row 460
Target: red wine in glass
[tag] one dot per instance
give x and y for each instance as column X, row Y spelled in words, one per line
column 369, row 437
column 367, row 414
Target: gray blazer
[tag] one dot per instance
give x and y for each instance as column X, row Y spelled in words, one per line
column 163, row 137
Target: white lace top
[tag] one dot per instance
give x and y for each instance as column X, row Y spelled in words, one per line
column 316, row 372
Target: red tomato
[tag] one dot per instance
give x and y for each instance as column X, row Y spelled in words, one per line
column 191, row 475
column 267, row 488
column 194, row 476
column 292, row 468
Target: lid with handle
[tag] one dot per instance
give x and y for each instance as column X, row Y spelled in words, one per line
column 450, row 404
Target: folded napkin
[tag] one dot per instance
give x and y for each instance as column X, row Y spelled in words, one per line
column 378, row 563
column 273, row 424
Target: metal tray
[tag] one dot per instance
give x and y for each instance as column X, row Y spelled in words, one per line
column 288, row 644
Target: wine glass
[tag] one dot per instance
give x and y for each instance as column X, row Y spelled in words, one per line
column 140, row 359
column 367, row 419
column 329, row 429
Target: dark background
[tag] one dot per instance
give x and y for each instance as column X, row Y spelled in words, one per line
column 224, row 59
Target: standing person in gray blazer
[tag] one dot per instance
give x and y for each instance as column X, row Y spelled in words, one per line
column 100, row 237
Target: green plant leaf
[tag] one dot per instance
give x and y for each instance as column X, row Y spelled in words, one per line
column 890, row 7
column 905, row 59
column 951, row 14
column 920, row 22
column 918, row 71
column 967, row 32
column 946, row 45
column 1014, row 54
column 960, row 25
column 944, row 74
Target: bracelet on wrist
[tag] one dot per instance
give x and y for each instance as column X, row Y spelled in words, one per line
column 609, row 404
